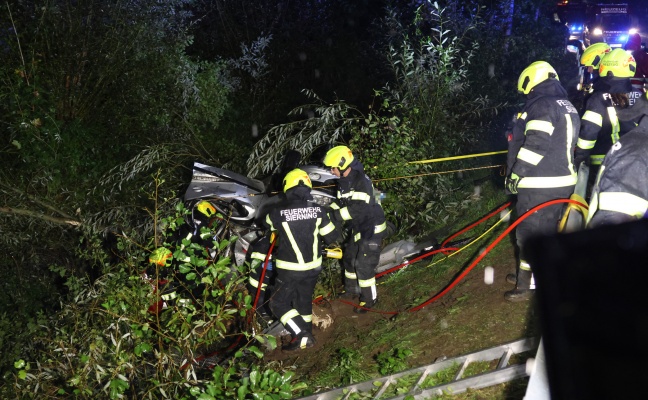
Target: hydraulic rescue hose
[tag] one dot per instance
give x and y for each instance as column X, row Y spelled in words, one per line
column 444, row 249
column 483, row 254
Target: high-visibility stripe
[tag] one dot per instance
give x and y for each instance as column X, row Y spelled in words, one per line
column 625, row 203
column 269, row 222
column 350, row 275
column 568, row 148
column 299, row 267
column 335, row 206
column 327, row 229
column 257, row 255
column 529, row 156
column 316, row 242
column 539, row 125
column 254, row 283
column 287, row 319
column 169, row 296
column 357, row 237
column 361, row 196
column 614, row 121
column 367, row 282
column 524, row 265
column 585, row 144
column 380, row 228
column 308, row 318
column 593, row 117
column 293, row 244
column 344, row 213
column 596, row 159
column 522, row 116
column 540, row 182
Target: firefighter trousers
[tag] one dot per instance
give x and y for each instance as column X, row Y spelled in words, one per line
column 292, row 299
column 542, row 222
column 360, row 259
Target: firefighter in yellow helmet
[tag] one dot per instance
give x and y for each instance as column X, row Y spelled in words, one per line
column 301, row 226
column 539, row 163
column 163, row 268
column 600, row 126
column 356, row 206
column 590, row 62
column 621, row 190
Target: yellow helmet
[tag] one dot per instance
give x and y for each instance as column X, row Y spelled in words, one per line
column 338, row 157
column 161, row 256
column 593, row 55
column 296, row 177
column 206, row 208
column 618, row 63
column 534, row 74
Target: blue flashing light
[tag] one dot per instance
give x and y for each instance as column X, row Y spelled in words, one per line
column 576, row 28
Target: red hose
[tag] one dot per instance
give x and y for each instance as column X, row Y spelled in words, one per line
column 490, row 247
column 483, row 254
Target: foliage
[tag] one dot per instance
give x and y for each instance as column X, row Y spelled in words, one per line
column 393, row 361
column 320, row 123
column 111, row 338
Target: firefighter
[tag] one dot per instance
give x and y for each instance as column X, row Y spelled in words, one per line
column 590, row 62
column 539, row 162
column 638, row 81
column 164, row 263
column 300, row 226
column 600, row 127
column 366, row 219
column 621, row 190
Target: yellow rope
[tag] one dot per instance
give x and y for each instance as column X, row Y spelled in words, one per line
column 457, row 157
column 474, row 241
column 433, row 173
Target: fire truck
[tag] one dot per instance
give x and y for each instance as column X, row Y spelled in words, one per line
column 592, row 23
column 610, row 23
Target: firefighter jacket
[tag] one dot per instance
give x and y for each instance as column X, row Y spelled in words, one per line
column 543, row 139
column 600, row 127
column 357, row 205
column 622, row 183
column 301, row 225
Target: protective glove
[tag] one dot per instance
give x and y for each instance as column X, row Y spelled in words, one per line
column 511, row 183
column 580, row 156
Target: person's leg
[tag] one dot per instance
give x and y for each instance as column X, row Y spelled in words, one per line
column 281, row 302
column 542, row 222
column 349, row 256
column 367, row 259
column 304, row 297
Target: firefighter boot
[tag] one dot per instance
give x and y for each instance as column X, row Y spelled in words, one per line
column 364, row 306
column 522, row 289
column 301, row 341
